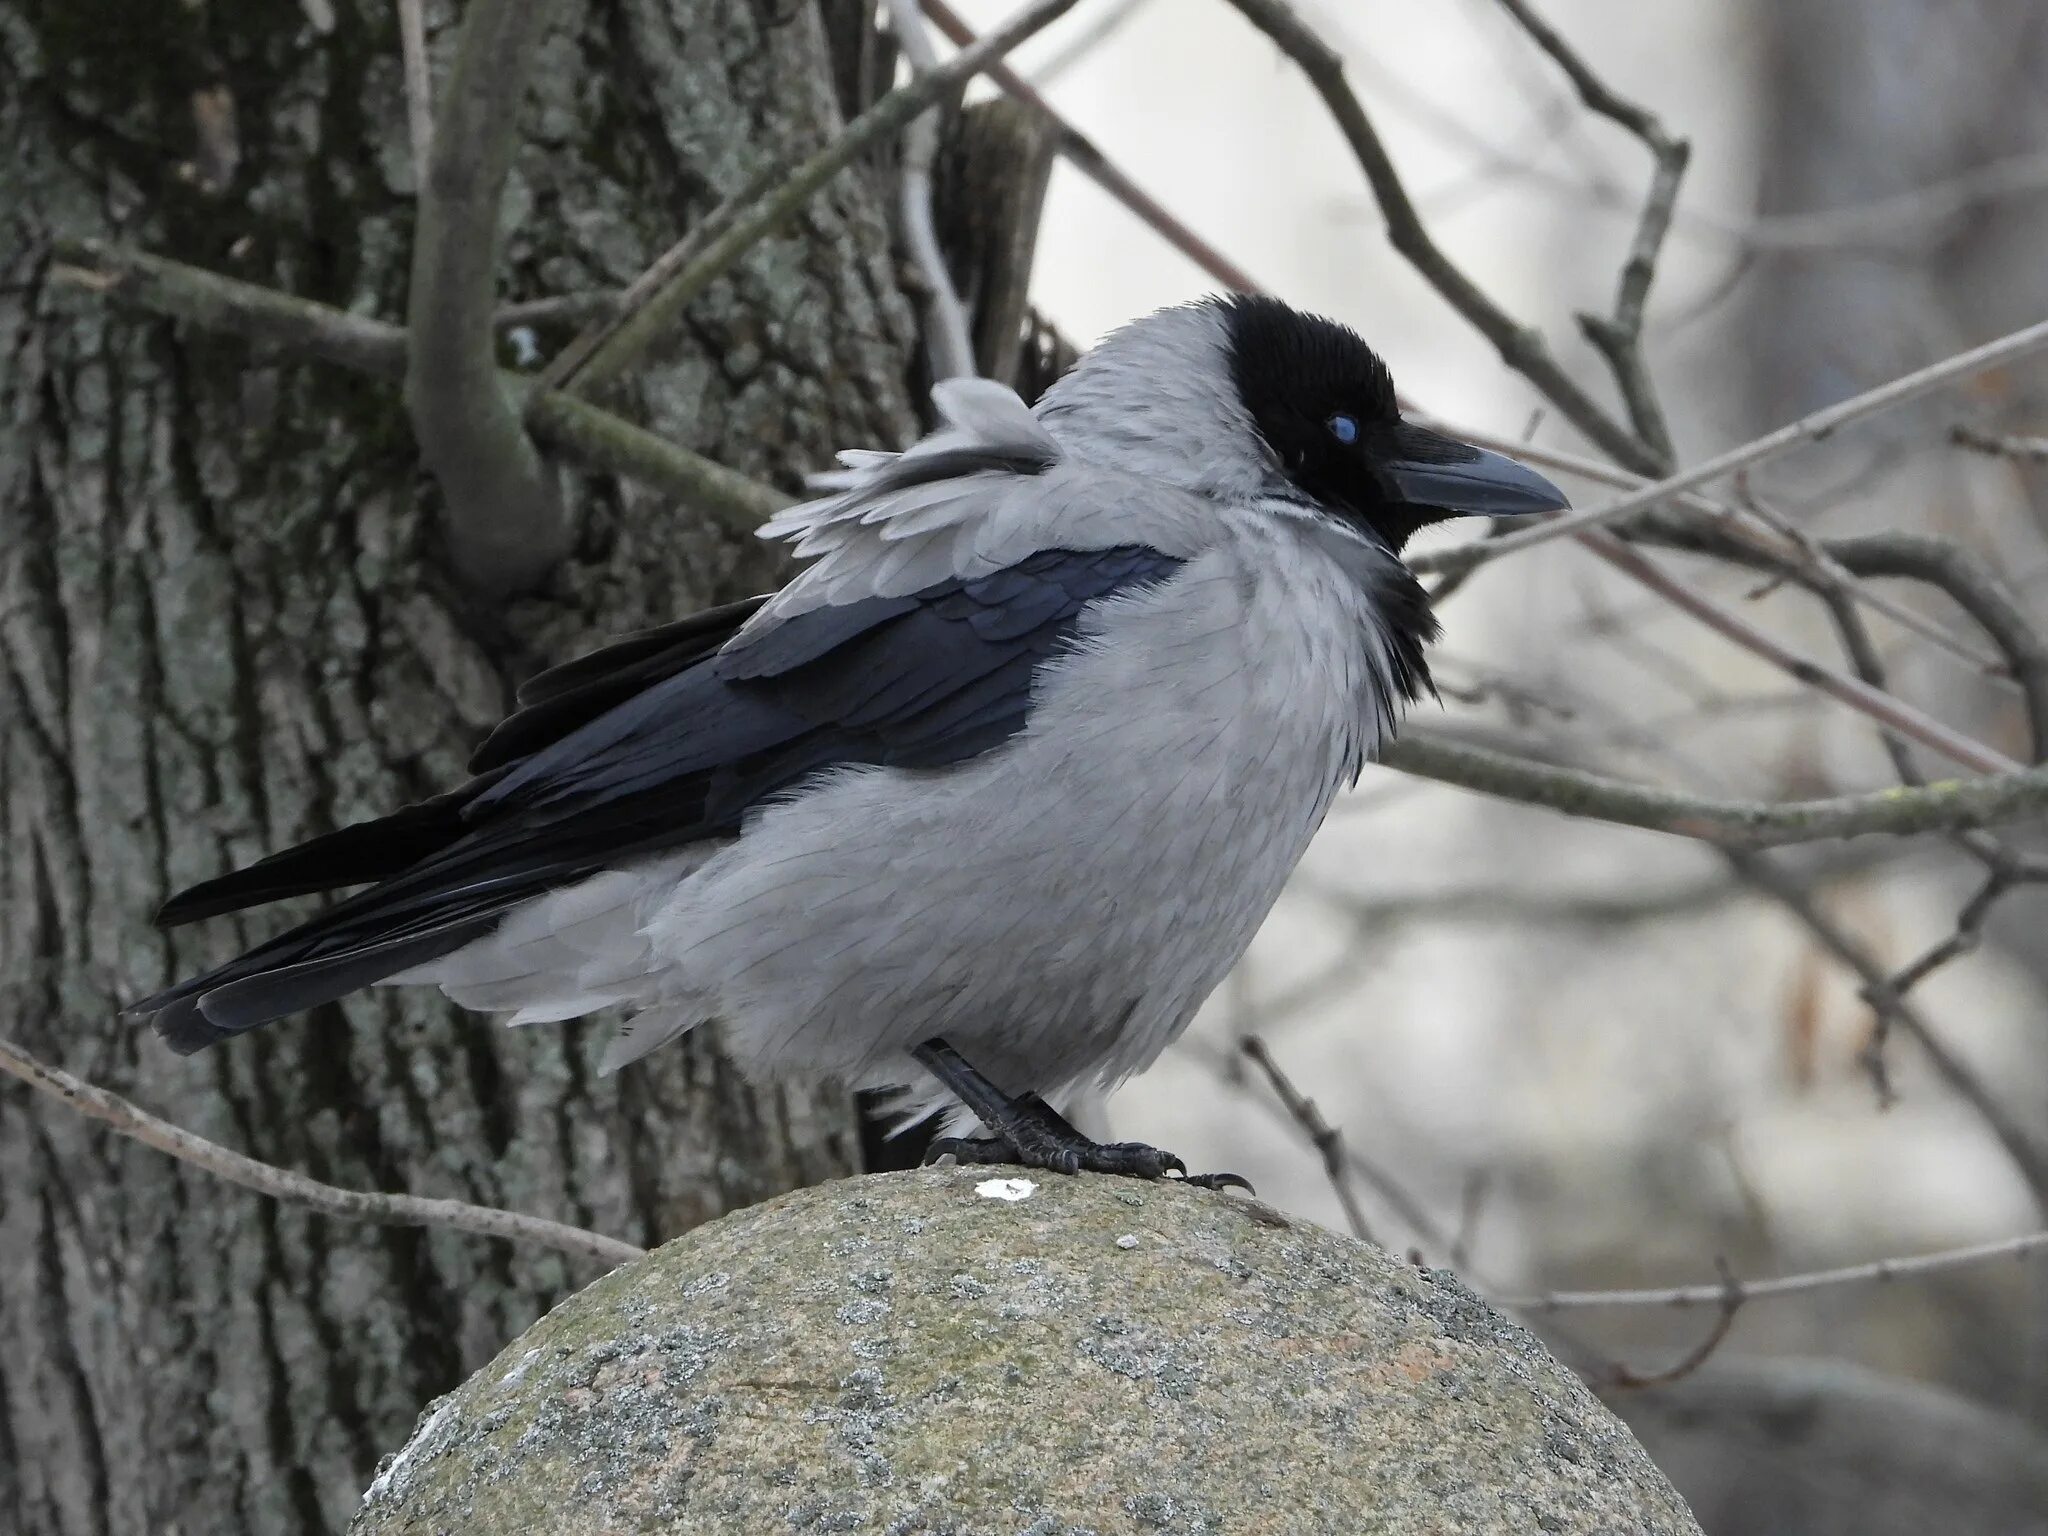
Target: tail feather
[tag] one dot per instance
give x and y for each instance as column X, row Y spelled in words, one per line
column 361, row 854
column 250, row 991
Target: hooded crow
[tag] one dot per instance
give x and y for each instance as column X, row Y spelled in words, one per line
column 987, row 799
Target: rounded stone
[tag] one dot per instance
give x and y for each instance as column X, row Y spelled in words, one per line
column 943, row 1352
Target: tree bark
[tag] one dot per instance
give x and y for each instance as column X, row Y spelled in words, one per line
column 227, row 624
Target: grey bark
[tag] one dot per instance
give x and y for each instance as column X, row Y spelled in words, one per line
column 226, row 624
column 928, row 1352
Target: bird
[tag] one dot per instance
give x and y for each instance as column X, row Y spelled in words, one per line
column 983, row 803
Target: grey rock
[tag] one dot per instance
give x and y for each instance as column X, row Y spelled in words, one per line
column 902, row 1353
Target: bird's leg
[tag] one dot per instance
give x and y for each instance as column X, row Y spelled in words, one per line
column 1025, row 1129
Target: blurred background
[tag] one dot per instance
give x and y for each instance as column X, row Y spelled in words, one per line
column 1583, row 1056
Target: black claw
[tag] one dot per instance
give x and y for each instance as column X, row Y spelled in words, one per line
column 1131, row 1158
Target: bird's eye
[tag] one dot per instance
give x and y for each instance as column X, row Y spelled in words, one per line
column 1343, row 428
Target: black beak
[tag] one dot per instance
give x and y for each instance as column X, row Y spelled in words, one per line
column 1457, row 480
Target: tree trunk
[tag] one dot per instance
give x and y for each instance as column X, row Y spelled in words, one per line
column 227, row 624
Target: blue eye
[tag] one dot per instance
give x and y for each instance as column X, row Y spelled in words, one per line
column 1343, row 428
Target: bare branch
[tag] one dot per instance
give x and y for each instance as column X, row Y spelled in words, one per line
column 506, row 526
column 946, row 330
column 1969, row 933
column 1081, row 152
column 1325, row 1137
column 1520, row 346
column 1622, row 1377
column 1948, row 805
column 1894, row 1012
column 1808, row 429
column 2033, row 450
column 1972, row 587
column 567, row 369
column 988, row 201
column 1889, row 710
column 281, row 1184
column 1732, row 522
column 767, row 205
column 1878, row 1272
column 596, row 437
column 1620, row 336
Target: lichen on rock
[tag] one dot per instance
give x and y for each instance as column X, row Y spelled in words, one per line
column 925, row 1353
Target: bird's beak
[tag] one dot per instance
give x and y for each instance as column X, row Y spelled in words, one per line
column 1459, row 480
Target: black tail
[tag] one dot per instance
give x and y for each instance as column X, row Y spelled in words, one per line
column 361, row 854
column 440, row 873
column 396, row 924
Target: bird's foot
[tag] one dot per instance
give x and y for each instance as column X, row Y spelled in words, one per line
column 1058, row 1148
column 1029, row 1131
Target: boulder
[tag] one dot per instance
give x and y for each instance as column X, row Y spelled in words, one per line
column 968, row 1350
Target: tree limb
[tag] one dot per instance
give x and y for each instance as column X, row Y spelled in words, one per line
column 1814, row 428
column 1878, row 1272
column 281, row 1184
column 1948, row 805
column 506, row 525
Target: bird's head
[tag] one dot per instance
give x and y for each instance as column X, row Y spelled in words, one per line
column 1248, row 397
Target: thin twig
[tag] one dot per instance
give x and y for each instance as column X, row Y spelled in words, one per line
column 419, row 83
column 1891, row 711
column 760, row 211
column 1619, row 337
column 1620, row 1376
column 1969, row 933
column 947, row 337
column 1878, row 1272
column 1947, row 805
column 1808, row 429
column 1733, row 522
column 1973, row 587
column 1082, row 153
column 1522, row 347
column 281, row 1184
column 506, row 525
column 1325, row 1137
column 2033, row 450
column 1894, row 1012
column 566, row 370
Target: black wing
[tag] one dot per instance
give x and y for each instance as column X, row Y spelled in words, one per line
column 672, row 741
column 552, row 704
